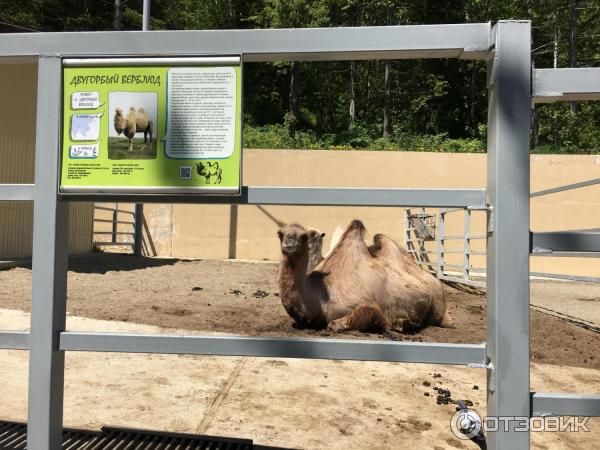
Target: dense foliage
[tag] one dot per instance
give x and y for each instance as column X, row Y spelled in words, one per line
column 437, row 105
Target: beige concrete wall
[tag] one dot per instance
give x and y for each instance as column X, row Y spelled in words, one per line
column 17, row 149
column 200, row 231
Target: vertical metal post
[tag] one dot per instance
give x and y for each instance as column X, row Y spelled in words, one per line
column 233, row 226
column 146, row 16
column 407, row 236
column 138, row 224
column 115, row 224
column 509, row 113
column 49, row 283
column 441, row 244
column 422, row 249
column 139, row 207
column 467, row 245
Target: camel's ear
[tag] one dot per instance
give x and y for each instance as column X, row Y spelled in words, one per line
column 322, row 235
column 280, row 234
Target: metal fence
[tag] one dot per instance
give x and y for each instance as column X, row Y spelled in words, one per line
column 120, row 229
column 562, row 243
column 416, row 244
column 506, row 47
column 417, row 235
column 114, row 237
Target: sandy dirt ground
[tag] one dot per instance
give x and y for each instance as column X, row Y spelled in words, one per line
column 241, row 298
column 286, row 403
column 280, row 402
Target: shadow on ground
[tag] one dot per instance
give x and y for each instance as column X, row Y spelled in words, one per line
column 102, row 263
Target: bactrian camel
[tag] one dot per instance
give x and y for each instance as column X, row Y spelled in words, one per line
column 356, row 287
column 136, row 121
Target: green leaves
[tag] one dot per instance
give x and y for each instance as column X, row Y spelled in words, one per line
column 436, row 105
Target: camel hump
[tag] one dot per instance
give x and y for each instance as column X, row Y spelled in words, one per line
column 141, row 110
column 383, row 246
column 355, row 230
column 356, row 225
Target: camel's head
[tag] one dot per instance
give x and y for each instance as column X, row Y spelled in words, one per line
column 315, row 241
column 294, row 239
column 118, row 112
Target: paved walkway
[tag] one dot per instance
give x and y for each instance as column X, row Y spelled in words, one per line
column 281, row 402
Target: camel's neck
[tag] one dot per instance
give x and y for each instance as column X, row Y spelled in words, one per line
column 306, row 298
column 298, row 265
column 314, row 258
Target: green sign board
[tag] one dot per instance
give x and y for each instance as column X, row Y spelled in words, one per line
column 151, row 126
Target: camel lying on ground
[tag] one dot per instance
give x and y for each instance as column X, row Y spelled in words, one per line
column 136, row 121
column 374, row 289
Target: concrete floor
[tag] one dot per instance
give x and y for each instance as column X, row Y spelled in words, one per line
column 307, row 404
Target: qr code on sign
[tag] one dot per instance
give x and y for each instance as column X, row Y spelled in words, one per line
column 185, row 172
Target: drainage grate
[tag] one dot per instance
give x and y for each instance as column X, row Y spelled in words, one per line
column 13, row 436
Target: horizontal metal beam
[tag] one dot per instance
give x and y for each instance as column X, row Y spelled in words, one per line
column 539, row 252
column 15, row 192
column 560, row 276
column 479, row 284
column 552, row 85
column 252, row 195
column 14, row 340
column 360, row 350
column 566, row 187
column 556, row 404
column 468, row 41
column 566, row 241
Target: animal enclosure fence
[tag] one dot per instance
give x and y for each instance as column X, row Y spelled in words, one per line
column 421, row 228
column 115, row 233
column 506, row 49
column 415, row 243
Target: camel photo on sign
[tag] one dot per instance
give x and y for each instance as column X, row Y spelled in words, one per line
column 132, row 134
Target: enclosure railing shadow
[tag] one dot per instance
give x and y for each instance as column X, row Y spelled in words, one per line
column 102, row 263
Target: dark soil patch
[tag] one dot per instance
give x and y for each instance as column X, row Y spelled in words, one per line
column 161, row 292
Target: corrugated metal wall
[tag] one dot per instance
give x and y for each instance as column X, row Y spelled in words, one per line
column 17, row 148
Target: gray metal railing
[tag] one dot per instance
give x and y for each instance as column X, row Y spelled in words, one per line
column 459, row 273
column 505, row 356
column 569, row 243
column 115, row 234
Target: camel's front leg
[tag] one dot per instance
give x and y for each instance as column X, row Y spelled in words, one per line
column 130, row 144
column 366, row 318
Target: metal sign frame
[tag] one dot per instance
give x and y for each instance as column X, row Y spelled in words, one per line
column 506, row 48
column 167, row 193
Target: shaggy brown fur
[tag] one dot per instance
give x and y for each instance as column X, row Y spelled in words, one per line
column 135, row 122
column 315, row 247
column 357, row 287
